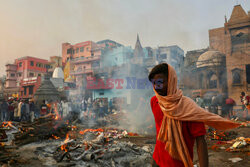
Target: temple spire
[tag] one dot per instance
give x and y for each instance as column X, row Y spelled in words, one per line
column 138, row 43
column 138, row 52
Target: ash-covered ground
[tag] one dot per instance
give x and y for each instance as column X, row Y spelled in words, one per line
column 51, row 142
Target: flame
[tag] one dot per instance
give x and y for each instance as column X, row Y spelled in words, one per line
column 1, row 144
column 64, row 146
column 55, row 137
column 219, row 135
column 91, row 130
column 73, row 127
column 132, row 134
column 57, row 117
column 6, row 124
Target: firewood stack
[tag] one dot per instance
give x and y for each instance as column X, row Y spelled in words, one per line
column 42, row 128
column 5, row 151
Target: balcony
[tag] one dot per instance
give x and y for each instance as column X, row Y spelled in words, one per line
column 83, row 71
column 85, row 59
column 11, row 67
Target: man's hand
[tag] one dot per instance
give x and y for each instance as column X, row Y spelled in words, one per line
column 202, row 151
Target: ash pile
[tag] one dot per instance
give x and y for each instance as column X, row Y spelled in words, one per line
column 96, row 148
column 13, row 135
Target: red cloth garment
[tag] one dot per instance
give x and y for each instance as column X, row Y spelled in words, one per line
column 190, row 131
column 230, row 101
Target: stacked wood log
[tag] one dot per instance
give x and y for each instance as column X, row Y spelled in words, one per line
column 42, row 128
column 6, row 151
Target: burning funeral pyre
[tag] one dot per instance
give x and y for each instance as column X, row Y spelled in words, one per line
column 52, row 141
column 58, row 142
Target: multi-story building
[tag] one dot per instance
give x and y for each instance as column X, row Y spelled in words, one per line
column 224, row 68
column 24, row 74
column 172, row 55
column 83, row 58
column 108, row 44
column 233, row 41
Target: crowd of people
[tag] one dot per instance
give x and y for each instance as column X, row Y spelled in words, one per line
column 225, row 106
column 26, row 110
column 18, row 110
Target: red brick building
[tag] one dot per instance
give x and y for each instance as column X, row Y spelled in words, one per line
column 224, row 67
column 233, row 40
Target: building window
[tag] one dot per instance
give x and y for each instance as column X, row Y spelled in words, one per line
column 39, row 75
column 81, row 49
column 20, row 64
column 31, row 63
column 236, row 73
column 212, row 81
column 25, row 91
column 87, row 49
column 248, row 73
column 31, row 90
column 12, row 75
column 69, row 51
column 163, row 56
column 47, row 66
column 77, row 50
column 101, row 93
column 73, row 51
column 19, row 74
column 31, row 74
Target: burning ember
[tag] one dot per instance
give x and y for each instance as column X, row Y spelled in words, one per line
column 7, row 124
column 218, row 135
column 55, row 137
column 101, row 146
column 90, row 130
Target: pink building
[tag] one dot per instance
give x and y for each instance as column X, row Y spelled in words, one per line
column 23, row 69
column 84, row 57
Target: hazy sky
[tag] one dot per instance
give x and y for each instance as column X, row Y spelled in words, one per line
column 39, row 27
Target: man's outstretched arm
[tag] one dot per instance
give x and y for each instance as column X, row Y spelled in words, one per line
column 202, row 151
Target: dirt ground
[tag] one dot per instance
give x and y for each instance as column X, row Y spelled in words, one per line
column 217, row 157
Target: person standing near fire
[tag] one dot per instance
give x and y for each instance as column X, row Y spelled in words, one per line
column 245, row 100
column 43, row 109
column 179, row 122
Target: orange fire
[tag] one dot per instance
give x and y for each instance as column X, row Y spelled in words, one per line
column 55, row 137
column 1, row 144
column 132, row 134
column 91, row 130
column 64, row 146
column 73, row 127
column 6, row 124
column 219, row 135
